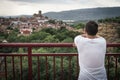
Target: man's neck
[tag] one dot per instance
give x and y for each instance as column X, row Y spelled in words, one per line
column 90, row 36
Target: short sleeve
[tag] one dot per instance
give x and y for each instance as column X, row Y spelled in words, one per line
column 76, row 40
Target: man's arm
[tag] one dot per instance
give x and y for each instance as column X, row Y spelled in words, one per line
column 74, row 45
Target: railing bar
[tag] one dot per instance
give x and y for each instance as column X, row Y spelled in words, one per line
column 48, row 44
column 38, row 68
column 116, row 68
column 46, row 68
column 77, row 68
column 108, row 67
column 21, row 73
column 5, row 68
column 54, row 68
column 55, row 54
column 13, row 54
column 61, row 67
column 69, row 67
column 36, row 44
column 13, row 67
column 30, row 63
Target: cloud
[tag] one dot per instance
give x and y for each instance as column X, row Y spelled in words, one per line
column 17, row 7
column 107, row 3
column 44, row 1
column 93, row 3
column 98, row 3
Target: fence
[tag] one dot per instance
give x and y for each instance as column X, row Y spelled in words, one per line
column 49, row 59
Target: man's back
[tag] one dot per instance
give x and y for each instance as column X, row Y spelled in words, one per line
column 91, row 51
column 91, row 56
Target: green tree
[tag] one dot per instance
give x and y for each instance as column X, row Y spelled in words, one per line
column 12, row 37
column 51, row 38
column 52, row 21
column 79, row 26
column 51, row 31
column 20, row 50
column 118, row 31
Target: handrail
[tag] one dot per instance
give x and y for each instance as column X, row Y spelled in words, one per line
column 48, row 45
column 36, row 44
column 55, row 54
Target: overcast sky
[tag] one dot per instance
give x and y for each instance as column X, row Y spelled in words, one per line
column 29, row 7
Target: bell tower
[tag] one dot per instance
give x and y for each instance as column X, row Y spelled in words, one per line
column 40, row 12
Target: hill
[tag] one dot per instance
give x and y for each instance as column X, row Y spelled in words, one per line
column 85, row 14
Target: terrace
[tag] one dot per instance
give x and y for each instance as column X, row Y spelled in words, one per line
column 12, row 69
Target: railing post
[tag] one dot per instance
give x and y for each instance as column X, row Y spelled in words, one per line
column 61, row 67
column 46, row 67
column 108, row 67
column 29, row 63
column 70, row 67
column 6, row 69
column 13, row 65
column 54, row 68
column 116, row 68
column 21, row 72
column 77, row 67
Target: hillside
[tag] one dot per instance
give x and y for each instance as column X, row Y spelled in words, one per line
column 109, row 32
column 85, row 14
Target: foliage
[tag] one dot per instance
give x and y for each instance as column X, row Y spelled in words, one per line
column 118, row 31
column 42, row 68
column 45, row 35
column 113, row 19
column 12, row 37
column 3, row 36
column 79, row 26
column 52, row 21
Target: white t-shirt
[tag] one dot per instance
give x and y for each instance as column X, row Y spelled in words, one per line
column 91, row 54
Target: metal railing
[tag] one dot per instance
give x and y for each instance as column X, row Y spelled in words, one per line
column 10, row 60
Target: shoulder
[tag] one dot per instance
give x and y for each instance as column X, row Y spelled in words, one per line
column 77, row 37
column 102, row 39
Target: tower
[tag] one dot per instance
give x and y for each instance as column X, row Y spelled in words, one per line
column 40, row 12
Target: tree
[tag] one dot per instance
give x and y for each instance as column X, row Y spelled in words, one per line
column 67, row 40
column 12, row 37
column 118, row 31
column 52, row 21
column 79, row 26
column 51, row 31
column 51, row 38
column 20, row 50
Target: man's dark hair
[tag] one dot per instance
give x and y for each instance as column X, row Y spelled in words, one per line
column 91, row 28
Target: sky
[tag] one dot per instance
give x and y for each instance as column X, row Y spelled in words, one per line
column 29, row 7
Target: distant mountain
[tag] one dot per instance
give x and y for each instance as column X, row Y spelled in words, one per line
column 85, row 14
column 16, row 16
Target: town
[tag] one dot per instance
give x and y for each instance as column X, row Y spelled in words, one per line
column 26, row 25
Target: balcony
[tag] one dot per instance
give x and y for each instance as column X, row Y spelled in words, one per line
column 49, row 66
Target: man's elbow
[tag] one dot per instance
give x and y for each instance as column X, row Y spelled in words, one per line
column 74, row 45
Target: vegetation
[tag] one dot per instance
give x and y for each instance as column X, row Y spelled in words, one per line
column 79, row 26
column 44, row 35
column 53, row 36
column 113, row 21
column 109, row 20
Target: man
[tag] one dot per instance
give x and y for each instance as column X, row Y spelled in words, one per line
column 91, row 51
